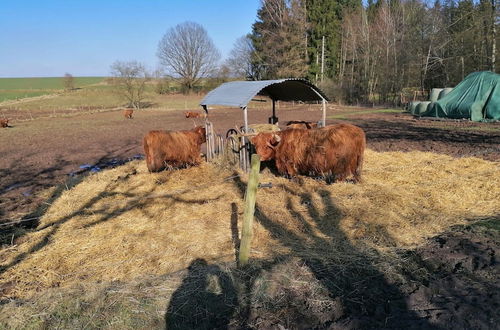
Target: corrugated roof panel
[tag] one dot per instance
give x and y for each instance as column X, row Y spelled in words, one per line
column 239, row 93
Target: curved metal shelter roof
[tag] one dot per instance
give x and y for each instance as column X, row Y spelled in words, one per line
column 239, row 93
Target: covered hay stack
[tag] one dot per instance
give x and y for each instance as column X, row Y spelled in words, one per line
column 124, row 223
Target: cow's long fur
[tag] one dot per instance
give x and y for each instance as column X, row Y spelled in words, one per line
column 301, row 124
column 190, row 114
column 4, row 122
column 127, row 113
column 173, row 149
column 335, row 150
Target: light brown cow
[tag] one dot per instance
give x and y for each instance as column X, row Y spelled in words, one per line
column 301, row 124
column 4, row 123
column 165, row 149
column 335, row 150
column 127, row 113
column 190, row 114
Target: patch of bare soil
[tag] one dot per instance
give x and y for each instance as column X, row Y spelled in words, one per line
column 451, row 282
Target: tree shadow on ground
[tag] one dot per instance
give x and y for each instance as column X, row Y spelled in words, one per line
column 461, row 290
column 347, row 271
column 104, row 212
column 21, row 184
column 206, row 299
column 18, row 186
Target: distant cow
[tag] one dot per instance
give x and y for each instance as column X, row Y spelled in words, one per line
column 301, row 124
column 190, row 114
column 4, row 123
column 128, row 113
column 165, row 149
column 335, row 150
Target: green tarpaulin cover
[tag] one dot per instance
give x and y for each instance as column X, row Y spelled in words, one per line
column 477, row 97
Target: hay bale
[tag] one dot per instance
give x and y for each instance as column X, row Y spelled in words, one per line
column 421, row 108
column 259, row 128
column 429, row 106
column 435, row 94
column 444, row 92
column 413, row 107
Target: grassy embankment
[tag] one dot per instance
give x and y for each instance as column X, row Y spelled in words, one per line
column 18, row 88
column 91, row 94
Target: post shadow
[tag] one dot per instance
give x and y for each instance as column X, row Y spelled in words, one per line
column 368, row 300
column 206, row 299
column 234, row 230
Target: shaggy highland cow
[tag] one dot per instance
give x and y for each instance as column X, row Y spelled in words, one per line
column 127, row 113
column 165, row 149
column 301, row 124
column 335, row 150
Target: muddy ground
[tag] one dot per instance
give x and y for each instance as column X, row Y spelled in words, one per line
column 462, row 291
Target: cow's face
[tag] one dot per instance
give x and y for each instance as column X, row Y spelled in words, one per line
column 265, row 145
column 202, row 133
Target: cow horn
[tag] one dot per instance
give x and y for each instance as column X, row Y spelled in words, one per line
column 277, row 138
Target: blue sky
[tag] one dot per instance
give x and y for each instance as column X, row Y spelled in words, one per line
column 84, row 37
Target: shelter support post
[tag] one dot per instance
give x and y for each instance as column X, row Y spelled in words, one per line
column 244, row 140
column 273, row 120
column 245, row 119
column 323, row 120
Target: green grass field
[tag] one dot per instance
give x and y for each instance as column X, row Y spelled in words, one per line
column 19, row 88
column 44, row 83
column 347, row 115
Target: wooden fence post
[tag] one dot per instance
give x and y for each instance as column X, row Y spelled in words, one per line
column 248, row 214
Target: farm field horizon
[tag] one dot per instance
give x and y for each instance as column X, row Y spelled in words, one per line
column 19, row 88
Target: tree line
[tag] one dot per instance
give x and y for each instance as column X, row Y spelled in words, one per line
column 374, row 52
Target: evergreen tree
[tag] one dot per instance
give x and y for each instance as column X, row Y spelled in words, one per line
column 279, row 39
column 324, row 19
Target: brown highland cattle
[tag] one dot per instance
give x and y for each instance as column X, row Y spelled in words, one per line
column 190, row 114
column 4, row 122
column 127, row 113
column 165, row 149
column 335, row 150
column 301, row 124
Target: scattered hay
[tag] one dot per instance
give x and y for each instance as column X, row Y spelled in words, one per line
column 123, row 223
column 258, row 128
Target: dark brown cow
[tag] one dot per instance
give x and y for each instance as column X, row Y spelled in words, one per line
column 301, row 124
column 4, row 123
column 165, row 149
column 190, row 114
column 335, row 150
column 128, row 113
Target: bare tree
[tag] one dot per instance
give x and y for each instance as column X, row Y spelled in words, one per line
column 161, row 82
column 68, row 81
column 187, row 51
column 241, row 59
column 130, row 80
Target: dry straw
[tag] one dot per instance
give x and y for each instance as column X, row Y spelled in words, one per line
column 124, row 223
